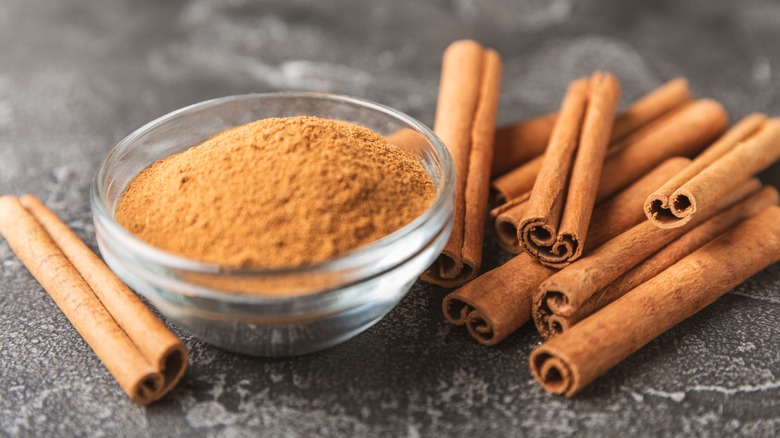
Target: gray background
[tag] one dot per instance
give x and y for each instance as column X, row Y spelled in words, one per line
column 78, row 76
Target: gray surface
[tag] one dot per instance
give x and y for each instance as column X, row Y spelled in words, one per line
column 77, row 76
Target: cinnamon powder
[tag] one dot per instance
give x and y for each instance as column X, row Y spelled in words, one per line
column 279, row 192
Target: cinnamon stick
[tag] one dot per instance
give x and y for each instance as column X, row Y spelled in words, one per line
column 519, row 147
column 684, row 132
column 498, row 302
column 519, row 142
column 651, row 107
column 561, row 203
column 567, row 363
column 144, row 357
column 669, row 255
column 516, row 183
column 749, row 147
column 465, row 122
column 565, row 292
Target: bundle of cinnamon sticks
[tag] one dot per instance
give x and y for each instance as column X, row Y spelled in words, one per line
column 624, row 223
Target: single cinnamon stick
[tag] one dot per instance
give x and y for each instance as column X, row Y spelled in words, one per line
column 59, row 261
column 516, row 183
column 519, row 142
column 519, row 147
column 498, row 302
column 749, row 147
column 561, row 203
column 567, row 363
column 565, row 292
column 669, row 255
column 684, row 132
column 651, row 107
column 465, row 122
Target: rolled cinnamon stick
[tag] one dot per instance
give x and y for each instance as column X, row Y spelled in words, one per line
column 749, row 147
column 465, row 122
column 516, row 183
column 519, row 147
column 498, row 302
column 684, row 132
column 669, row 255
column 565, row 292
column 567, row 363
column 146, row 360
column 556, row 221
column 156, row 343
column 519, row 142
column 651, row 107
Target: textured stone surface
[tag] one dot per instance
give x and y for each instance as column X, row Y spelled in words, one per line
column 77, row 76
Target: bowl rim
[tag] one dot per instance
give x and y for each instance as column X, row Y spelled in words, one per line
column 349, row 259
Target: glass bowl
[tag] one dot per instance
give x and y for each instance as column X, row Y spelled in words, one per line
column 273, row 312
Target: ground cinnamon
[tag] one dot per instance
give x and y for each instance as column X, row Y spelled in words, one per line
column 278, row 192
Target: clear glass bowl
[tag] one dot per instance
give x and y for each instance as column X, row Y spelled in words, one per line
column 323, row 304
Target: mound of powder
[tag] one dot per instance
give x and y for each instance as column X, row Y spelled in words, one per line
column 279, row 192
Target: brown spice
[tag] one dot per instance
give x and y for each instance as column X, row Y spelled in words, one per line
column 684, row 132
column 499, row 301
column 519, row 148
column 145, row 358
column 672, row 253
column 569, row 362
column 749, row 147
column 567, row 291
column 561, row 203
column 278, row 192
column 465, row 122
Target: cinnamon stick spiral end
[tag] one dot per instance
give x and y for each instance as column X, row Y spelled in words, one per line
column 553, row 372
column 481, row 329
column 172, row 366
column 551, row 311
column 450, row 271
column 670, row 211
column 550, row 248
column 147, row 389
column 506, row 235
column 157, row 385
column 455, row 310
column 540, row 313
column 557, row 324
